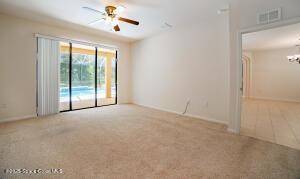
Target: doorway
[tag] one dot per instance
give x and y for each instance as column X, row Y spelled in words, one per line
column 88, row 77
column 270, row 97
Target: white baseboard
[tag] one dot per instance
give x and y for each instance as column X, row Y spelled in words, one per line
column 179, row 113
column 273, row 99
column 17, row 118
column 206, row 119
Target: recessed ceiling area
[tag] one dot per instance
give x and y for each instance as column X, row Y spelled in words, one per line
column 282, row 37
column 152, row 14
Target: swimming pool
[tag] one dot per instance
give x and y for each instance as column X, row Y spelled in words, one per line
column 83, row 91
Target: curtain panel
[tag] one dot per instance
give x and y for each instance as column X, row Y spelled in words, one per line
column 48, row 76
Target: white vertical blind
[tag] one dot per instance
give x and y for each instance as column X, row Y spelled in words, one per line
column 48, row 76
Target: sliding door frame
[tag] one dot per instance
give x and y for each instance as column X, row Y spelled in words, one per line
column 96, row 80
column 70, row 77
column 96, row 76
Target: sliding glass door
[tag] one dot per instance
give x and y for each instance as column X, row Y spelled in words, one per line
column 88, row 77
column 83, row 76
column 107, row 77
column 65, row 97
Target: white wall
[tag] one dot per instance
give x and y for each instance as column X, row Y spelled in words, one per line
column 170, row 48
column 274, row 77
column 242, row 15
column 186, row 62
column 18, row 60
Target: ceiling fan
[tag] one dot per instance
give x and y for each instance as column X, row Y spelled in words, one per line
column 111, row 16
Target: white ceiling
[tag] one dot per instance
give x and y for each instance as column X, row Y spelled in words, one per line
column 282, row 37
column 152, row 14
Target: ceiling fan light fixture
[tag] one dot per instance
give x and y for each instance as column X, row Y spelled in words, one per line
column 112, row 17
column 119, row 9
column 115, row 21
column 108, row 19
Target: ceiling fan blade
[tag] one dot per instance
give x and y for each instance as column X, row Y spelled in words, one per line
column 117, row 28
column 94, row 10
column 129, row 21
column 96, row 21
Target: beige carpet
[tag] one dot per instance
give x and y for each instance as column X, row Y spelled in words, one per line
column 129, row 141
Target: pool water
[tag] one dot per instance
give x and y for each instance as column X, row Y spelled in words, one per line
column 82, row 91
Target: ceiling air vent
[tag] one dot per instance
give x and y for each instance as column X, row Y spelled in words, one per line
column 269, row 16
